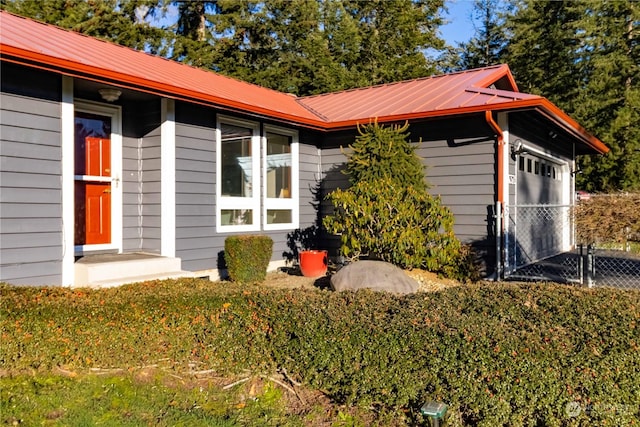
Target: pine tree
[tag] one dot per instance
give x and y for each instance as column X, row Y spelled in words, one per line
column 309, row 46
column 385, row 152
column 486, row 47
column 609, row 104
column 542, row 52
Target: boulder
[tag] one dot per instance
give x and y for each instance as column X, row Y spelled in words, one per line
column 374, row 275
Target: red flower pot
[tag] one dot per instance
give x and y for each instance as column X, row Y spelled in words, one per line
column 313, row 263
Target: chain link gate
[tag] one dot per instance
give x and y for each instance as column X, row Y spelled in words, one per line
column 537, row 242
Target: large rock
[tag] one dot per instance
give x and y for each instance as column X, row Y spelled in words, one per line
column 374, row 275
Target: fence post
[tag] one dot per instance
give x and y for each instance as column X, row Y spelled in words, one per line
column 590, row 267
column 581, row 262
column 499, row 259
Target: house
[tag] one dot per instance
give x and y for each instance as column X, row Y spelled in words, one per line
column 118, row 166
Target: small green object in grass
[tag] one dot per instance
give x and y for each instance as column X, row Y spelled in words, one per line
column 435, row 410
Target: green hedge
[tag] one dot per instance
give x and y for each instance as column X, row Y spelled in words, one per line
column 497, row 354
column 247, row 257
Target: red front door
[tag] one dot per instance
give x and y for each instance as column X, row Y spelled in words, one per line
column 92, row 180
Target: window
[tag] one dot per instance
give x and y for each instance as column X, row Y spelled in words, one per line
column 238, row 174
column 280, row 176
column 241, row 156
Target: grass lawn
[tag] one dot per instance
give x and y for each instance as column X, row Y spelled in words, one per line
column 192, row 352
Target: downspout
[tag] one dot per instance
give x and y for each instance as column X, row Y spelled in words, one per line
column 494, row 125
column 499, row 214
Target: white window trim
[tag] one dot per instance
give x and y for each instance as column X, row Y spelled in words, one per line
column 252, row 202
column 276, row 203
column 115, row 113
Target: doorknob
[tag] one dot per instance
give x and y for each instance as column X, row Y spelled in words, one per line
column 107, row 190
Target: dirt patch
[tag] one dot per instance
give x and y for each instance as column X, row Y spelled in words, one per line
column 293, row 279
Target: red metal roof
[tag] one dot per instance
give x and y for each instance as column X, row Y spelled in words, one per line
column 436, row 95
column 77, row 54
column 46, row 46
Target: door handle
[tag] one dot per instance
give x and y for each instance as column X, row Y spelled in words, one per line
column 107, row 190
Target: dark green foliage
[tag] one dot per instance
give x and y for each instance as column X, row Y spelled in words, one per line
column 384, row 152
column 395, row 223
column 585, row 57
column 387, row 212
column 485, row 48
column 307, row 47
column 609, row 104
column 498, row 354
column 247, row 257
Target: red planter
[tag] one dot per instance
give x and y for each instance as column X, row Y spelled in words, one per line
column 313, row 263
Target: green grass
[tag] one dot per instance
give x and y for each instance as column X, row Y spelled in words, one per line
column 122, row 401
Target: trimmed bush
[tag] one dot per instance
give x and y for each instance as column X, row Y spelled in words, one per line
column 247, row 257
column 497, row 354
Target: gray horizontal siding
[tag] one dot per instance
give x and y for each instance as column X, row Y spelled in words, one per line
column 464, row 176
column 151, row 190
column 30, row 187
column 131, row 194
column 196, row 241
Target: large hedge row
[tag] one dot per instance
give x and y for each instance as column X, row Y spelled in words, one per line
column 497, row 354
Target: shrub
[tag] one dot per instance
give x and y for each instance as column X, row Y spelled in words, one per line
column 247, row 257
column 397, row 224
column 387, row 212
column 384, row 152
column 609, row 218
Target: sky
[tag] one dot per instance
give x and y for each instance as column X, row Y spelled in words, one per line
column 460, row 26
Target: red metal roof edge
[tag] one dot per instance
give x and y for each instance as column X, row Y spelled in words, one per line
column 503, row 71
column 128, row 81
column 111, row 77
column 541, row 104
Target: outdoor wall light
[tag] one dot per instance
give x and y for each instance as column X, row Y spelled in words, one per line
column 435, row 411
column 518, row 148
column 109, row 94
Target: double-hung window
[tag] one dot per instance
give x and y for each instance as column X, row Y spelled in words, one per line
column 257, row 177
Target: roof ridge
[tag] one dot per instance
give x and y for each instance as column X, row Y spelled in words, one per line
column 417, row 79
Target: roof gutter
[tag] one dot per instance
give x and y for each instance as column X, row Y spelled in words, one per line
column 488, row 115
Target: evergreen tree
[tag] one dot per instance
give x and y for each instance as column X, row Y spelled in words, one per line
column 542, row 52
column 609, row 103
column 486, row 47
column 584, row 57
column 309, row 46
column 385, row 152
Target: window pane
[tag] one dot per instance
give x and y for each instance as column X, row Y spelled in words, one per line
column 237, row 161
column 92, row 134
column 279, row 162
column 236, row 217
column 279, row 216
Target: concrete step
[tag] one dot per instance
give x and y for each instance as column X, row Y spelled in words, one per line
column 116, row 269
column 138, row 279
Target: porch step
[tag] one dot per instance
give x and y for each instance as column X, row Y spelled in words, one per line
column 109, row 270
